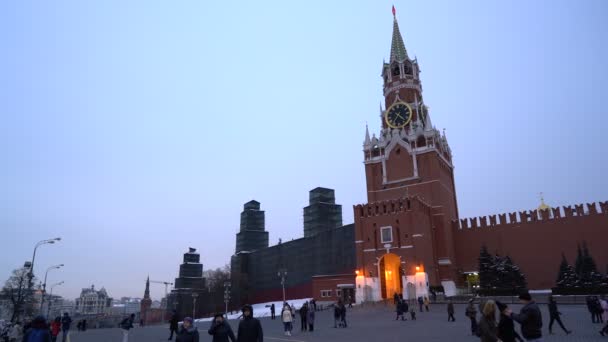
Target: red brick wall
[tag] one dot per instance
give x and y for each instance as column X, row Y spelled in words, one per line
column 330, row 283
column 535, row 244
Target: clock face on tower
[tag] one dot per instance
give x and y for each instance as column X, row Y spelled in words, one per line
column 398, row 115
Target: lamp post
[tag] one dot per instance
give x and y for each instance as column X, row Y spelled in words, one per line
column 282, row 274
column 48, row 310
column 194, row 296
column 44, row 285
column 40, row 243
column 227, row 285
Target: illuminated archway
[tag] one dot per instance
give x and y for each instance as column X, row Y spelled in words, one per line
column 390, row 276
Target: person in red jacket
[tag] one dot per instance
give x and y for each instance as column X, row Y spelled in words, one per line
column 55, row 329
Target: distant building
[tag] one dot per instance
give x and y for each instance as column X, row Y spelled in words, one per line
column 93, row 302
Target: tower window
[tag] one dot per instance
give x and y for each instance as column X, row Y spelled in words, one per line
column 395, row 70
column 407, row 68
column 387, row 234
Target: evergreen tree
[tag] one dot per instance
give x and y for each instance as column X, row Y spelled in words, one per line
column 578, row 264
column 485, row 269
column 563, row 270
column 588, row 268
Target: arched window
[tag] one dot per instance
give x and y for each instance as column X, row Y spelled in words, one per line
column 407, row 68
column 421, row 142
column 395, row 70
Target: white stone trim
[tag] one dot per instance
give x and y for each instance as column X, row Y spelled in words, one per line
column 408, row 246
column 444, row 261
column 359, row 241
column 369, row 250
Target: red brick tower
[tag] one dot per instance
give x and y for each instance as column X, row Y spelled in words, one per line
column 410, row 191
column 146, row 302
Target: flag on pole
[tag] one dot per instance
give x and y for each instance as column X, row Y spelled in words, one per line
column 394, row 12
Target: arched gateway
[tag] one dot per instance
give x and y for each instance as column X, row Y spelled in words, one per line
column 391, row 280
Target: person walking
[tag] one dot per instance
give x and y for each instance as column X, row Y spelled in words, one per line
column 337, row 313
column 529, row 317
column 221, row 330
column 188, row 332
column 420, row 303
column 426, row 303
column 343, row 315
column 412, row 313
column 604, row 306
column 506, row 327
column 84, row 325
column 399, row 310
column 250, row 329
column 471, row 313
column 451, row 311
column 272, row 315
column 173, row 325
column 126, row 324
column 487, row 323
column 311, row 319
column 66, row 322
column 287, row 319
column 395, row 298
column 38, row 332
column 55, row 328
column 304, row 317
column 554, row 316
column 597, row 305
column 350, row 301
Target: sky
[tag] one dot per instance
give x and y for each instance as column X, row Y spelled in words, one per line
column 134, row 130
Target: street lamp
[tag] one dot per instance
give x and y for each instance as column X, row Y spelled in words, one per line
column 282, row 274
column 44, row 285
column 48, row 311
column 40, row 243
column 227, row 285
column 194, row 296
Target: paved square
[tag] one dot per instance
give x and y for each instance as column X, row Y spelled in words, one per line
column 373, row 323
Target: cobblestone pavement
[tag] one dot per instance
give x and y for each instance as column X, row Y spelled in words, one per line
column 372, row 323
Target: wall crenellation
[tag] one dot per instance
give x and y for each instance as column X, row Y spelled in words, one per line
column 390, row 207
column 531, row 216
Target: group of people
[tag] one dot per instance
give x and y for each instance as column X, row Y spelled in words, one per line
column 307, row 317
column 249, row 330
column 529, row 318
column 40, row 330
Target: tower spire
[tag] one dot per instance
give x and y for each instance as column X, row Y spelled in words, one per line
column 398, row 52
column 147, row 292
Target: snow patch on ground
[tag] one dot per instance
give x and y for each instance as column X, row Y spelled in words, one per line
column 263, row 309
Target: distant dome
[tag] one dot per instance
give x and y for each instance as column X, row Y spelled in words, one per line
column 543, row 205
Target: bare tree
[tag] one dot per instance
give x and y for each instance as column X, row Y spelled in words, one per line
column 20, row 299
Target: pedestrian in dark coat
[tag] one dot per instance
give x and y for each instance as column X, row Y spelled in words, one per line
column 272, row 315
column 451, row 311
column 420, row 303
column 304, row 317
column 311, row 319
column 250, row 329
column 337, row 312
column 488, row 331
column 554, row 315
column 471, row 313
column 39, row 331
column 343, row 315
column 66, row 322
column 506, row 327
column 529, row 318
column 395, row 298
column 221, row 330
column 173, row 324
column 188, row 332
column 399, row 310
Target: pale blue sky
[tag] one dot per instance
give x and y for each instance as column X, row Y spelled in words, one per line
column 136, row 129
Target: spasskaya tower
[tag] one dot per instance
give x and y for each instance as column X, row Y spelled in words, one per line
column 404, row 228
